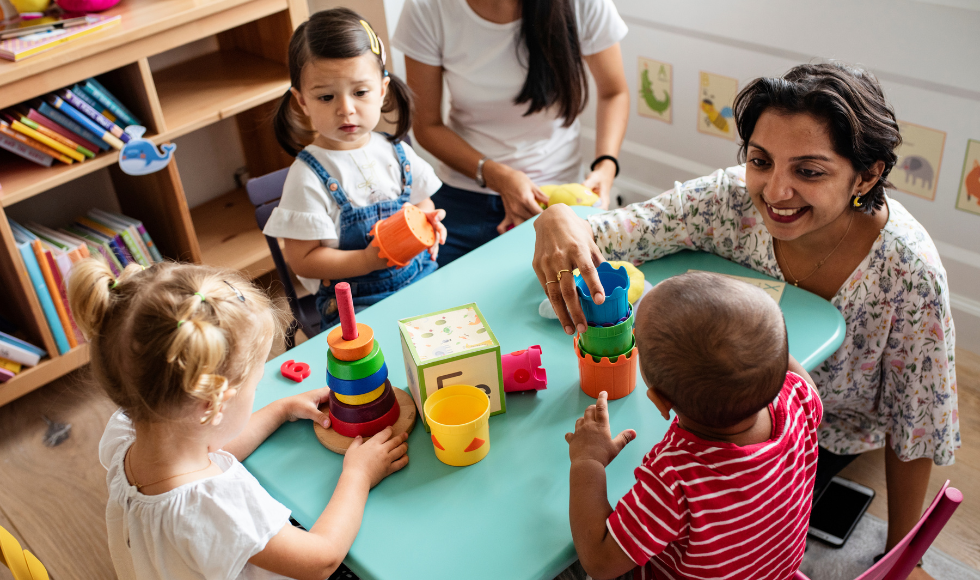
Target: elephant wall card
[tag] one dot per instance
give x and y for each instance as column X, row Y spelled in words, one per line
column 716, row 96
column 969, row 193
column 656, row 82
column 919, row 158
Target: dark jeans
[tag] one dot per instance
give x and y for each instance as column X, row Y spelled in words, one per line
column 828, row 465
column 471, row 220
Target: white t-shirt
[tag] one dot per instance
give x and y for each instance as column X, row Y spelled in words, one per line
column 367, row 175
column 481, row 67
column 207, row 529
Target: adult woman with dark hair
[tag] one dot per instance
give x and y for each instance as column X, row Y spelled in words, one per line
column 517, row 83
column 809, row 207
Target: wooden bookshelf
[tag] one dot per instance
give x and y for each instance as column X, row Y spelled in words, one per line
column 243, row 79
column 229, row 236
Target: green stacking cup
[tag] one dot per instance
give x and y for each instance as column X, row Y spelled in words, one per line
column 612, row 358
column 609, row 341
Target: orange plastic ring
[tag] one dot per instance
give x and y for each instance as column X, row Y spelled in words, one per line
column 351, row 350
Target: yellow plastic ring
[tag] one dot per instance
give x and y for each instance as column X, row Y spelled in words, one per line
column 361, row 399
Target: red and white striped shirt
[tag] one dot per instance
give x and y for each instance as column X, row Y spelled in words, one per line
column 710, row 510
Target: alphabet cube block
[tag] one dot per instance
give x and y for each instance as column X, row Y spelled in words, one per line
column 451, row 347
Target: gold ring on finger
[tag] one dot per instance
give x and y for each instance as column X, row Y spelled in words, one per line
column 559, row 274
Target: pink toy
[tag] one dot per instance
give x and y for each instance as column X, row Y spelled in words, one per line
column 296, row 371
column 522, row 370
column 86, row 5
column 345, row 304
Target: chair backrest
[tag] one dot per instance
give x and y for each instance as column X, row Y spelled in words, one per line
column 900, row 560
column 22, row 563
column 264, row 193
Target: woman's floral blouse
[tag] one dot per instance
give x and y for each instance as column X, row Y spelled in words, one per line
column 893, row 375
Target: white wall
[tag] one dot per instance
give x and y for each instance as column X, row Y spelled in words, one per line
column 925, row 53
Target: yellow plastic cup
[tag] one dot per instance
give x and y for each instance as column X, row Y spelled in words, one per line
column 458, row 417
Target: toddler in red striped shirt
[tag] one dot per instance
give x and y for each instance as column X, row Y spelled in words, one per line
column 726, row 494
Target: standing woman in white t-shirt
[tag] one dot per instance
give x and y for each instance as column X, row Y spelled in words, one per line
column 516, row 79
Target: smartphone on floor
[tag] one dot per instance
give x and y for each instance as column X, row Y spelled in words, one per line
column 838, row 510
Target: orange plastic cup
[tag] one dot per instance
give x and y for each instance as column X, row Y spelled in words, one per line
column 400, row 237
column 618, row 378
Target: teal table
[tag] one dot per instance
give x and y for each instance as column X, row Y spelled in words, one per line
column 507, row 516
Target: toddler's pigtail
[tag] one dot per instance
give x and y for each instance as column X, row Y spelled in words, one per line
column 399, row 99
column 198, row 349
column 90, row 290
column 290, row 126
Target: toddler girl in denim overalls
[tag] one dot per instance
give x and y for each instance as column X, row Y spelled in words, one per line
column 350, row 177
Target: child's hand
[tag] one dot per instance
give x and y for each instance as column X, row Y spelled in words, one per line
column 307, row 406
column 435, row 218
column 592, row 439
column 378, row 457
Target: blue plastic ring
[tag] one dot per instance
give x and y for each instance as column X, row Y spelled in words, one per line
column 360, row 386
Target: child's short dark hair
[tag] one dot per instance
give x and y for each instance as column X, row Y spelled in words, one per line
column 714, row 346
column 335, row 33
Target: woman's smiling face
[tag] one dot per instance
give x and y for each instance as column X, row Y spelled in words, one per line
column 794, row 176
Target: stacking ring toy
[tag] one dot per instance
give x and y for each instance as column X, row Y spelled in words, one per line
column 356, row 369
column 366, row 412
column 365, row 429
column 360, row 399
column 351, row 350
column 359, row 386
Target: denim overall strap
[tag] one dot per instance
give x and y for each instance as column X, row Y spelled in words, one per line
column 332, row 185
column 406, row 173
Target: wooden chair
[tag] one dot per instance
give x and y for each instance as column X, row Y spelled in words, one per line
column 22, row 563
column 264, row 193
column 897, row 564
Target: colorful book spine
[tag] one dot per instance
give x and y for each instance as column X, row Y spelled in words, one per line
column 10, row 365
column 22, row 47
column 44, row 296
column 49, row 280
column 108, row 100
column 154, row 251
column 60, row 270
column 91, row 113
column 29, row 153
column 60, row 104
column 132, row 239
column 71, row 145
column 9, row 132
column 40, row 352
column 40, row 119
column 18, row 355
column 117, row 245
column 78, row 92
column 6, row 375
column 100, row 246
column 66, row 122
column 41, row 138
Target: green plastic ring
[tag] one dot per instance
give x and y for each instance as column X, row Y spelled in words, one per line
column 357, row 369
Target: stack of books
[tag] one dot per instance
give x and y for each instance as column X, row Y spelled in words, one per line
column 24, row 46
column 15, row 354
column 49, row 254
column 68, row 126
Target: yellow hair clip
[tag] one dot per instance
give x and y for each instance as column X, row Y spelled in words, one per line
column 375, row 42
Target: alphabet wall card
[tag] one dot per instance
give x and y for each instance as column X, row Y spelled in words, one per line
column 656, row 81
column 452, row 347
column 919, row 158
column 715, row 99
column 969, row 196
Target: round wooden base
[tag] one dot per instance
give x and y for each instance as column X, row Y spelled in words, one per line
column 406, row 422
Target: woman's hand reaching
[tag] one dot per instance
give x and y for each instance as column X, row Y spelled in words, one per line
column 519, row 194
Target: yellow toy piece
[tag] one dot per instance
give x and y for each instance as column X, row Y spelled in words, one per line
column 22, row 563
column 569, row 194
column 636, row 279
column 458, row 416
column 30, row 5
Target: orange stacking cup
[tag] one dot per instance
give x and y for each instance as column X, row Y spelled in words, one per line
column 400, row 237
column 618, row 378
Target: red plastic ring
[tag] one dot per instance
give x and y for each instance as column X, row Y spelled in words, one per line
column 366, row 429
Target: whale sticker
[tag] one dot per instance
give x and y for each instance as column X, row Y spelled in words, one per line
column 140, row 156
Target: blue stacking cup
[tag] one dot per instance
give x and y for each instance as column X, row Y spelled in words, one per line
column 615, row 286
